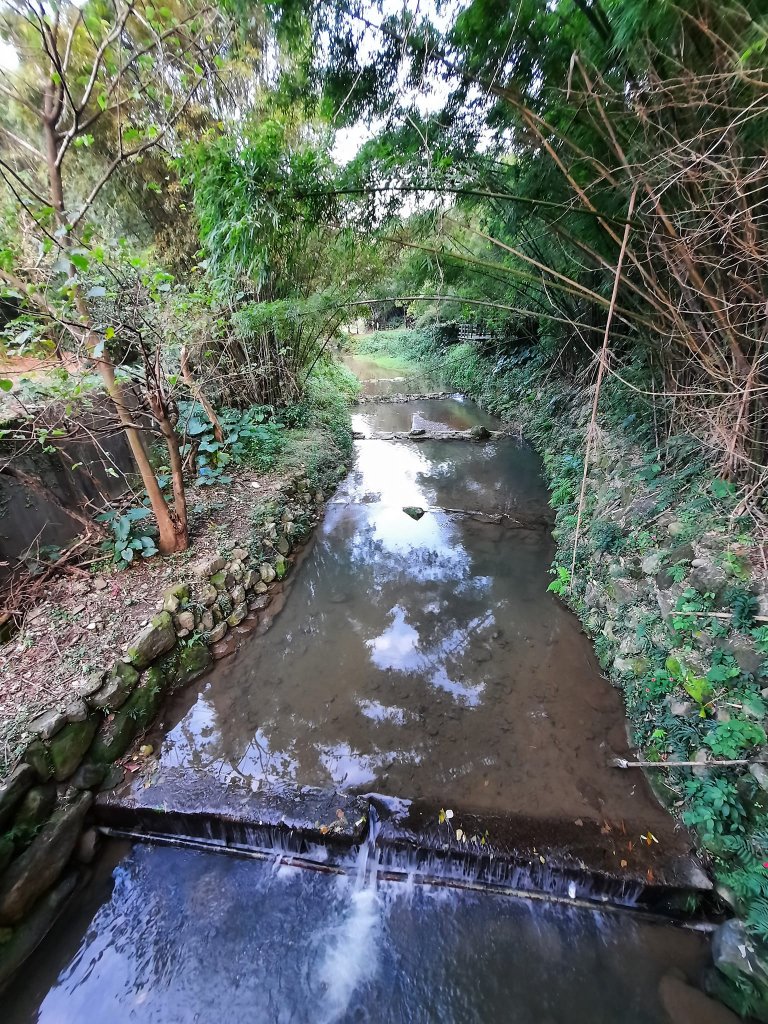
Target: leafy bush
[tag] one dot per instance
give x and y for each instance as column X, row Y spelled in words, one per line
column 730, row 739
column 714, row 807
column 127, row 540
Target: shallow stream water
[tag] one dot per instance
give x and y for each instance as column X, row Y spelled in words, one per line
column 423, row 661
column 169, row 936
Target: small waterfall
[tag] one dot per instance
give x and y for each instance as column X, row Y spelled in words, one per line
column 351, row 958
column 425, row 865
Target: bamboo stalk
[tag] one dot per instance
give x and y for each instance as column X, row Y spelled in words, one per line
column 600, row 373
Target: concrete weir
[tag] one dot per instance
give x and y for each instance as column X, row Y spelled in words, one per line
column 580, row 860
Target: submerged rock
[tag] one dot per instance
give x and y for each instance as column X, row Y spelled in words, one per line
column 688, row 1005
column 26, row 937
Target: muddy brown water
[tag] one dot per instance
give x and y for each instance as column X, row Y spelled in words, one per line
column 420, row 663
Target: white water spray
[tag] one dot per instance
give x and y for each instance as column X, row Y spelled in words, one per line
column 352, row 956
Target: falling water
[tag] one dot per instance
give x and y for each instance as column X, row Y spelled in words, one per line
column 352, row 956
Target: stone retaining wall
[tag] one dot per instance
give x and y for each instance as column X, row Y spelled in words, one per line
column 45, row 839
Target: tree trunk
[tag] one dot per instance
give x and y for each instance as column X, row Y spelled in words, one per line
column 177, row 476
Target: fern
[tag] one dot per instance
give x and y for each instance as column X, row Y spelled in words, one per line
column 757, row 918
column 743, row 605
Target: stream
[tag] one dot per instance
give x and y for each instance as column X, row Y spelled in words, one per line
column 420, row 686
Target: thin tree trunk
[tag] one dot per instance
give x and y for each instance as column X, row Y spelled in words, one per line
column 171, row 538
column 199, row 394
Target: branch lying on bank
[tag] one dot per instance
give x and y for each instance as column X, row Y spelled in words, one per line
column 621, row 762
column 24, row 589
column 724, row 615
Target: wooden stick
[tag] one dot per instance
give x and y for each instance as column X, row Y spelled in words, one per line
column 621, row 762
column 724, row 615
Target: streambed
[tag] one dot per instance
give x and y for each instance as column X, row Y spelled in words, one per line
column 419, row 664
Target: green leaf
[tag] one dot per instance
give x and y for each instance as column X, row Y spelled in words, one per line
column 5, row 384
column 79, row 261
column 674, row 667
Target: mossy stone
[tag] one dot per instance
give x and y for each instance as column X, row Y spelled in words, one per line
column 89, row 776
column 35, row 808
column 6, row 852
column 69, row 746
column 174, row 597
column 115, row 736
column 219, row 580
column 193, row 662
column 39, row 758
column 281, row 567
column 116, row 687
column 154, row 640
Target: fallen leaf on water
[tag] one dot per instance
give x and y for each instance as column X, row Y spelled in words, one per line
column 542, row 859
column 459, row 835
column 649, row 838
column 623, row 863
column 578, row 822
column 146, row 750
column 323, row 829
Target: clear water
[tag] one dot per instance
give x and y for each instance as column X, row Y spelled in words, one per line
column 168, row 936
column 423, row 660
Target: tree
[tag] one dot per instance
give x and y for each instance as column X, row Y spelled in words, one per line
column 132, row 71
